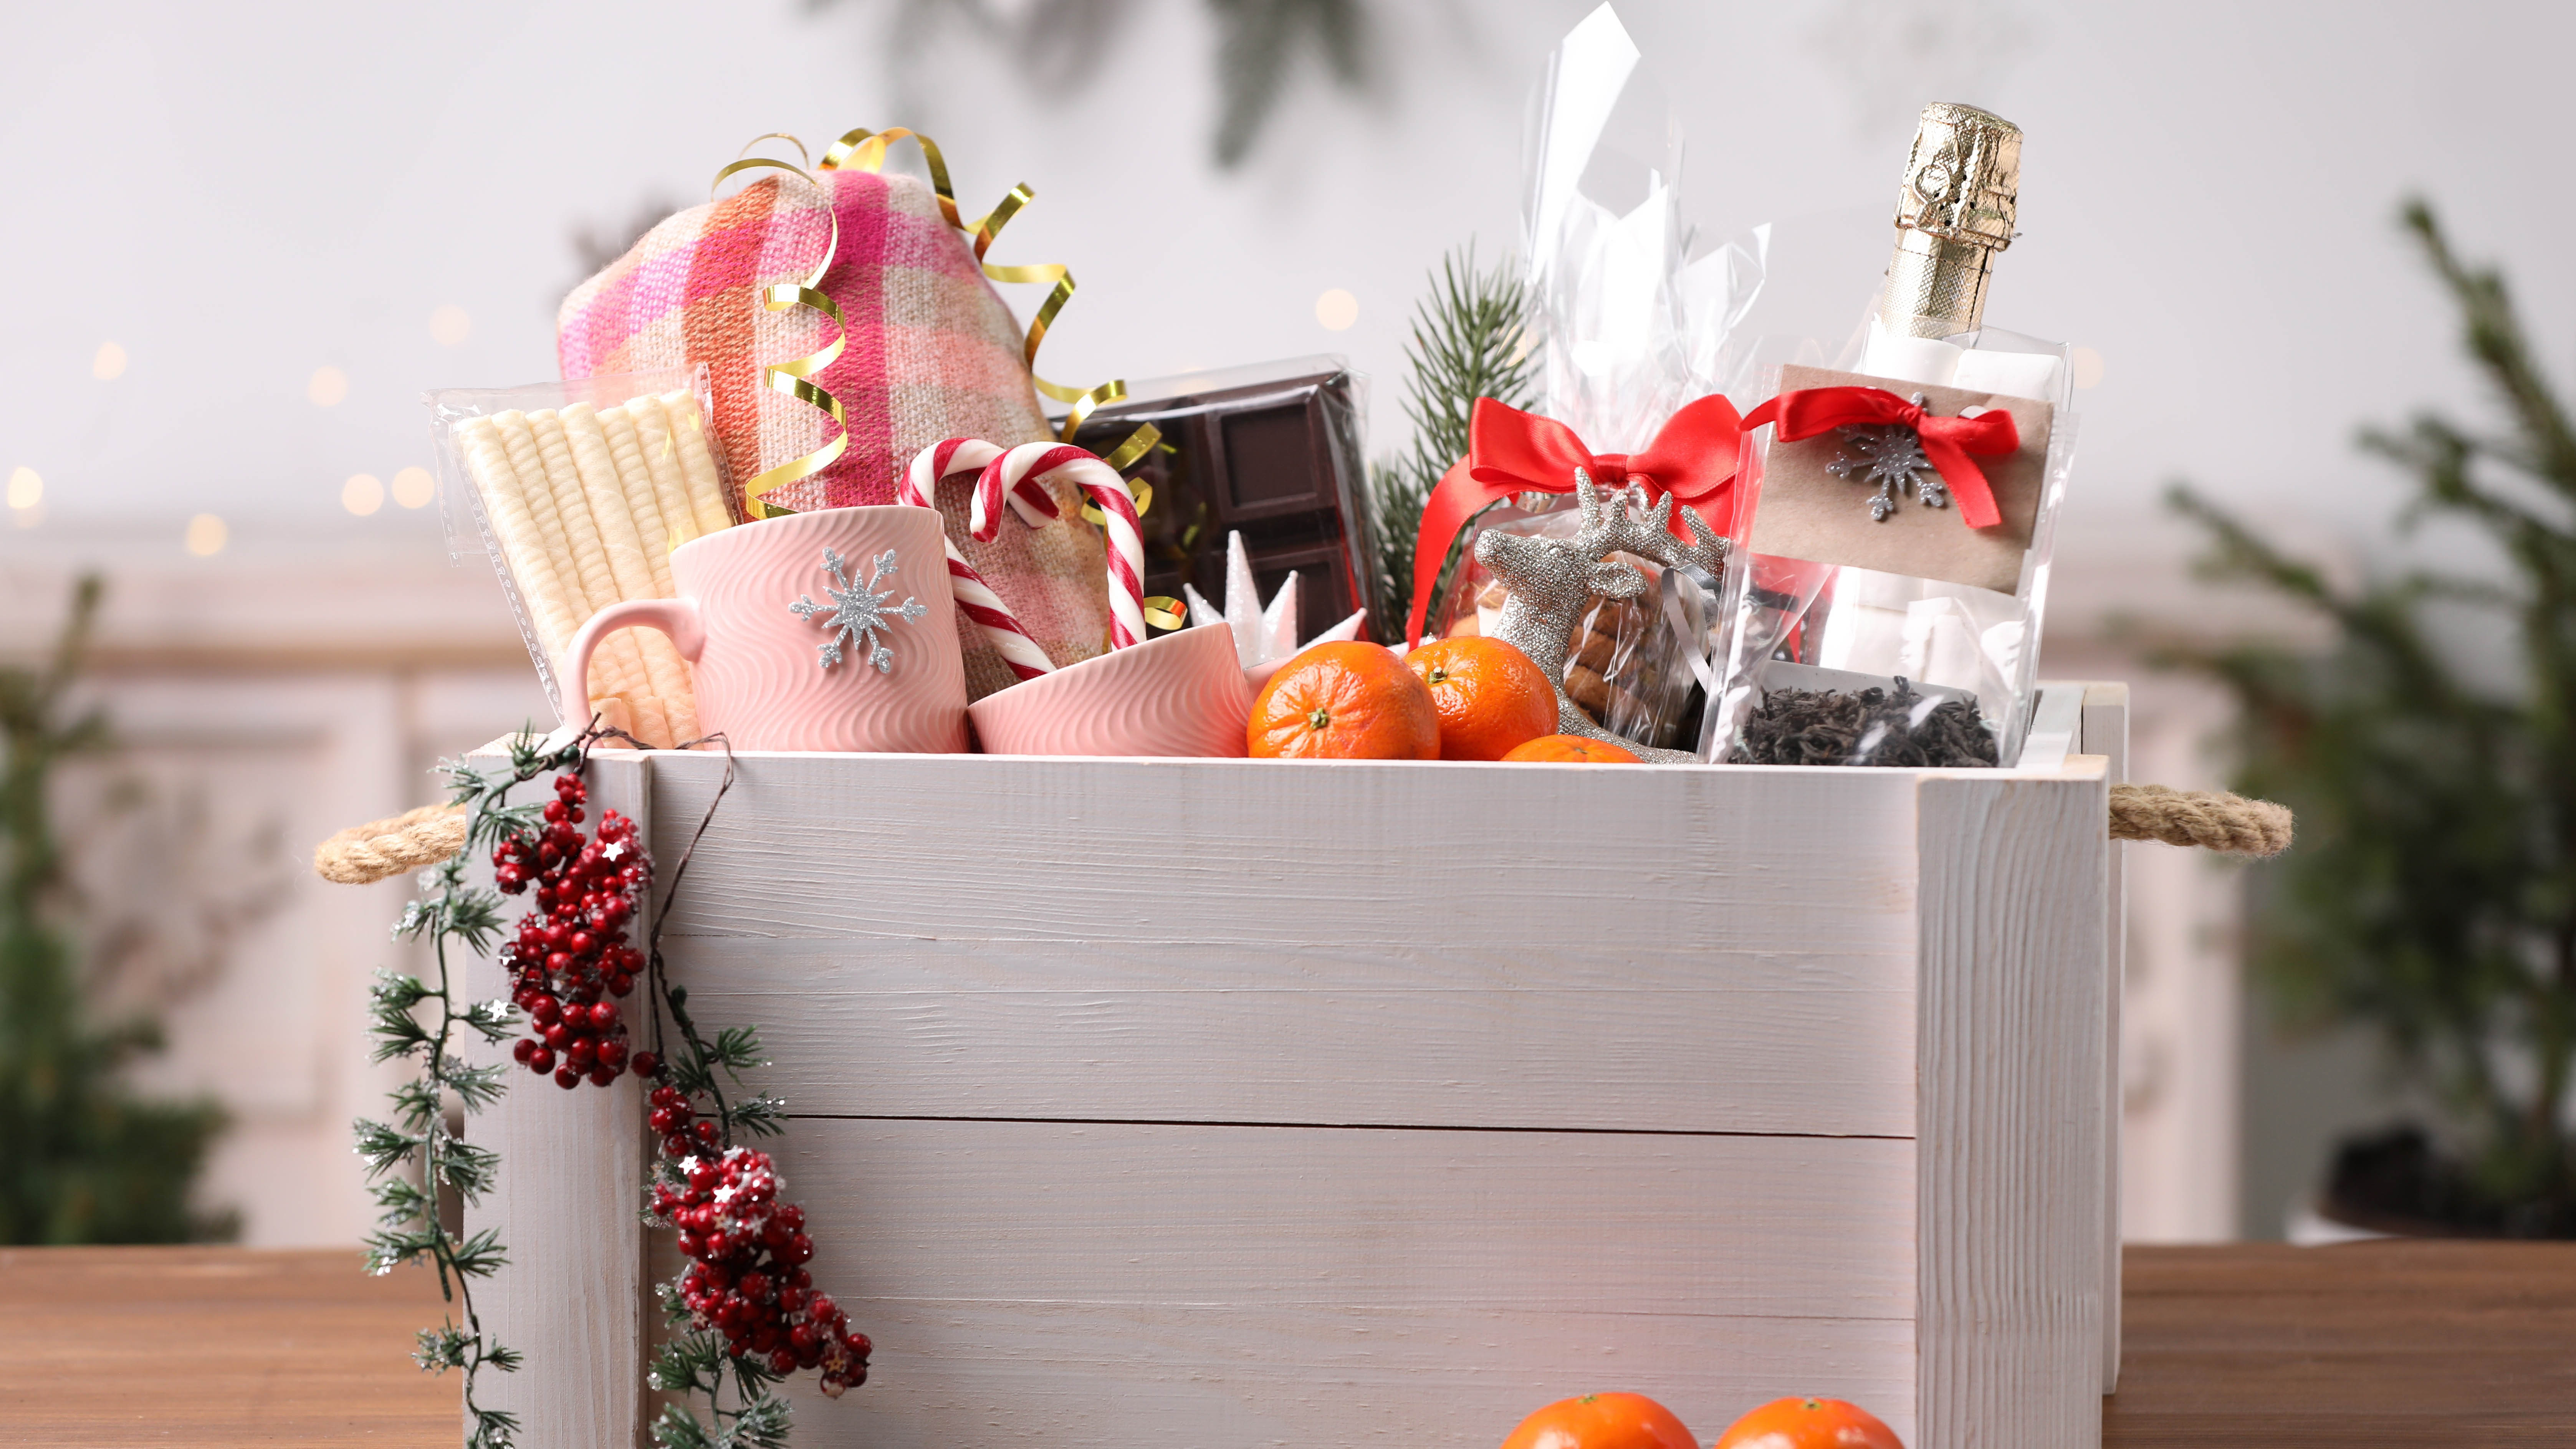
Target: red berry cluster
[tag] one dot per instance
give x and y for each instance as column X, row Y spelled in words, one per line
column 571, row 955
column 747, row 1277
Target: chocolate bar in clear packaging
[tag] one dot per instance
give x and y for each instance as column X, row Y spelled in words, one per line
column 1271, row 451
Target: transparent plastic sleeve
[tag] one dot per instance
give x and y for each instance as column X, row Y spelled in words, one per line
column 1824, row 661
column 1634, row 315
column 1635, row 311
column 578, row 492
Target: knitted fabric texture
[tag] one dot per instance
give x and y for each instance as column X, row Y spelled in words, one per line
column 931, row 353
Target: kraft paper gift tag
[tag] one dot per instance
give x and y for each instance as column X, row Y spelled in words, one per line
column 1806, row 512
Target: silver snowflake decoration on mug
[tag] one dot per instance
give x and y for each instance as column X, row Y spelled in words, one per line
column 858, row 611
column 1890, row 458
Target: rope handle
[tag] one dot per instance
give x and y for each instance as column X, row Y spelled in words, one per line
column 2210, row 819
column 366, row 854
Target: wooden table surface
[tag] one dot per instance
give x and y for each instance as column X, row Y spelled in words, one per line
column 2370, row 1343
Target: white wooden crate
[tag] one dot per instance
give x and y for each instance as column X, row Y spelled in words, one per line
column 1204, row 1103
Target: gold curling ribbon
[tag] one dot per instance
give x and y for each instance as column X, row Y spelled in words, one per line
column 1138, row 444
column 795, row 376
column 1165, row 612
column 866, row 150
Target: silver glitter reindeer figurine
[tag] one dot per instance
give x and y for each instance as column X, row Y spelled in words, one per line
column 1549, row 580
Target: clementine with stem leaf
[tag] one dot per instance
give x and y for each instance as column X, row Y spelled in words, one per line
column 1490, row 696
column 1344, row 701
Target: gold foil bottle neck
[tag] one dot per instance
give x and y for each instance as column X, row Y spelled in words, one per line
column 1954, row 211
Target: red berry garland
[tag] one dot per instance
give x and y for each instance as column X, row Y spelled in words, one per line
column 571, row 958
column 570, row 964
column 746, row 1277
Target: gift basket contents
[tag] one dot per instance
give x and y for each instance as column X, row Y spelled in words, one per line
column 1707, row 558
column 1269, row 453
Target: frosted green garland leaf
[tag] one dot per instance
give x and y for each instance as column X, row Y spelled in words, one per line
column 449, row 911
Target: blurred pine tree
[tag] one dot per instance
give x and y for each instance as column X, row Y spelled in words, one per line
column 2432, row 894
column 82, row 1160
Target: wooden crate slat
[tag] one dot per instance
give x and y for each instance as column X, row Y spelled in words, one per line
column 1239, row 852
column 1584, row 1037
column 2010, row 1287
column 1360, row 1217
column 2106, row 733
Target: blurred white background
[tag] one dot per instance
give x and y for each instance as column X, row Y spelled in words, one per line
column 241, row 242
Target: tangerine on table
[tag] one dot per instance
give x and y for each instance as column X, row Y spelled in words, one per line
column 1490, row 696
column 1602, row 1421
column 1571, row 750
column 1344, row 701
column 1809, row 1424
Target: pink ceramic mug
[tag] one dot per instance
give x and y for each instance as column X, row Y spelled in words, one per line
column 831, row 630
column 1182, row 694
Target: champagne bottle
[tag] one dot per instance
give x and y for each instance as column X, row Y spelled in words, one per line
column 1955, row 210
column 1954, row 215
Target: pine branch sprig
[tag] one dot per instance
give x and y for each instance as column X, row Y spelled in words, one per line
column 1471, row 338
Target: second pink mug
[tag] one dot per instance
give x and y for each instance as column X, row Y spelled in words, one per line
column 832, row 630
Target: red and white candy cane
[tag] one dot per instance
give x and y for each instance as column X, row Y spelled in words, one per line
column 975, row 598
column 1008, row 476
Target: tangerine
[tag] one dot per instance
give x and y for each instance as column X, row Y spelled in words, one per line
column 1490, row 696
column 1344, row 701
column 1602, row 1421
column 1809, row 1424
column 1571, row 750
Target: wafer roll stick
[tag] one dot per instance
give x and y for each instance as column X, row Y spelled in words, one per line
column 521, row 447
column 613, row 672
column 621, row 543
column 522, row 547
column 652, row 723
column 588, row 561
column 612, row 712
column 661, row 456
column 630, row 572
column 706, row 485
column 626, row 453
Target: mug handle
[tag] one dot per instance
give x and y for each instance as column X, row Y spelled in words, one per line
column 678, row 618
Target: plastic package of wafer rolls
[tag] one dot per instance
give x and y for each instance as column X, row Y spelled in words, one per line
column 578, row 492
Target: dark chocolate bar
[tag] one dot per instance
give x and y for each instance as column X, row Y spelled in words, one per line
column 1270, row 451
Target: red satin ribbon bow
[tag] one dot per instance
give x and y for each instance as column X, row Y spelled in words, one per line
column 1510, row 451
column 1946, row 441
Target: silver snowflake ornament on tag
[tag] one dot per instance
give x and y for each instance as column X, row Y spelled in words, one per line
column 1890, row 458
column 858, row 611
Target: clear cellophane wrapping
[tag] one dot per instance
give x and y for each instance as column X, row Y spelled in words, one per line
column 1633, row 313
